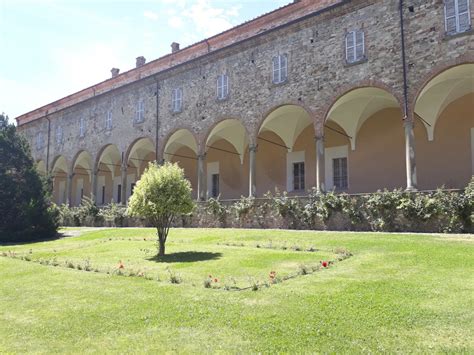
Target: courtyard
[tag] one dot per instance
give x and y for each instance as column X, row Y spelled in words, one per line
column 238, row 291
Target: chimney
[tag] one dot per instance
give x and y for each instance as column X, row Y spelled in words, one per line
column 115, row 72
column 174, row 47
column 140, row 61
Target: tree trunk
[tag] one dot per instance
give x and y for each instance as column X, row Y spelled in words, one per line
column 161, row 250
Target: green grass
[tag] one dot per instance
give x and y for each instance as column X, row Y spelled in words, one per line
column 397, row 293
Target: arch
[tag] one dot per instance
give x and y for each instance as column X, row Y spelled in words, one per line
column 81, row 168
column 178, row 139
column 60, row 172
column 232, row 131
column 276, row 120
column 351, row 109
column 41, row 167
column 108, row 166
column 440, row 90
column 138, row 153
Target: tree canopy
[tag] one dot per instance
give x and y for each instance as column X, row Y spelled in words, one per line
column 161, row 194
column 25, row 212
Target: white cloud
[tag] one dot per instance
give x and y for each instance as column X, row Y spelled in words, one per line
column 175, row 22
column 150, row 15
column 210, row 20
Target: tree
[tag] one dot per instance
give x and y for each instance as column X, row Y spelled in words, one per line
column 25, row 210
column 160, row 195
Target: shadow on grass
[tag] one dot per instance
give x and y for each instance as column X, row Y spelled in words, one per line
column 12, row 241
column 186, row 257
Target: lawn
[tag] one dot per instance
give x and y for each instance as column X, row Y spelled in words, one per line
column 396, row 293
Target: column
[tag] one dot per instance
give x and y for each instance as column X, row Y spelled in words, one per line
column 320, row 164
column 252, row 171
column 94, row 186
column 201, row 193
column 410, row 155
column 124, row 184
column 69, row 201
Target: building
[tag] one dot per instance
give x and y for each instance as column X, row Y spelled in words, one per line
column 335, row 94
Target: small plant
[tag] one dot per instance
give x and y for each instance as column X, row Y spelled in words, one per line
column 304, row 269
column 174, row 277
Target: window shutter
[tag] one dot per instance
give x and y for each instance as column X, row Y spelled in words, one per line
column 219, row 87
column 226, row 85
column 464, row 16
column 350, row 50
column 276, row 69
column 284, row 67
column 450, row 16
column 359, row 41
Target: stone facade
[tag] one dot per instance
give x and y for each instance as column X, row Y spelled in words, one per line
column 312, row 36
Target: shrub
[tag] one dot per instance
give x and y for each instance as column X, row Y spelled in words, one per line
column 114, row 214
column 215, row 208
column 161, row 194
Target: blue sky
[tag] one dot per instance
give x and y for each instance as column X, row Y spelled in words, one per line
column 50, row 49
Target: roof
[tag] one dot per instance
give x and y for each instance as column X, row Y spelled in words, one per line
column 264, row 23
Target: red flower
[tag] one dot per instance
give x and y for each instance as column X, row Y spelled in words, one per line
column 121, row 265
column 216, row 280
column 210, row 276
column 324, row 264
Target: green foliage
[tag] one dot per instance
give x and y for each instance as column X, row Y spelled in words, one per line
column 25, row 209
column 161, row 194
column 218, row 210
column 244, row 208
column 288, row 208
column 113, row 214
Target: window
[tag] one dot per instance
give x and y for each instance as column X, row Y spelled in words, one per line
column 215, row 185
column 39, row 141
column 119, row 193
column 280, row 68
column 108, row 120
column 355, row 46
column 103, row 194
column 177, row 100
column 222, row 86
column 59, row 135
column 457, row 16
column 82, row 127
column 298, row 176
column 339, row 166
column 140, row 114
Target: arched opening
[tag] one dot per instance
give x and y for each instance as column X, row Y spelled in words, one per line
column 41, row 167
column 81, row 177
column 364, row 142
column 286, row 153
column 444, row 129
column 109, row 183
column 59, row 173
column 226, row 160
column 140, row 154
column 181, row 148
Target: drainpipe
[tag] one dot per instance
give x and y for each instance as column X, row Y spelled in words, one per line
column 157, row 120
column 47, row 147
column 410, row 162
column 404, row 62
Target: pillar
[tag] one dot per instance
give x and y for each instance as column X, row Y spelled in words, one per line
column 252, row 171
column 410, row 155
column 201, row 193
column 320, row 164
column 124, row 169
column 69, row 190
column 94, row 186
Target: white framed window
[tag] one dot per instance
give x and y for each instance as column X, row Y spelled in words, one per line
column 222, row 86
column 355, row 46
column 336, row 168
column 457, row 17
column 215, row 185
column 339, row 168
column 59, row 135
column 108, row 120
column 140, row 113
column 39, row 141
column 298, row 176
column 82, row 127
column 177, row 100
column 280, row 68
